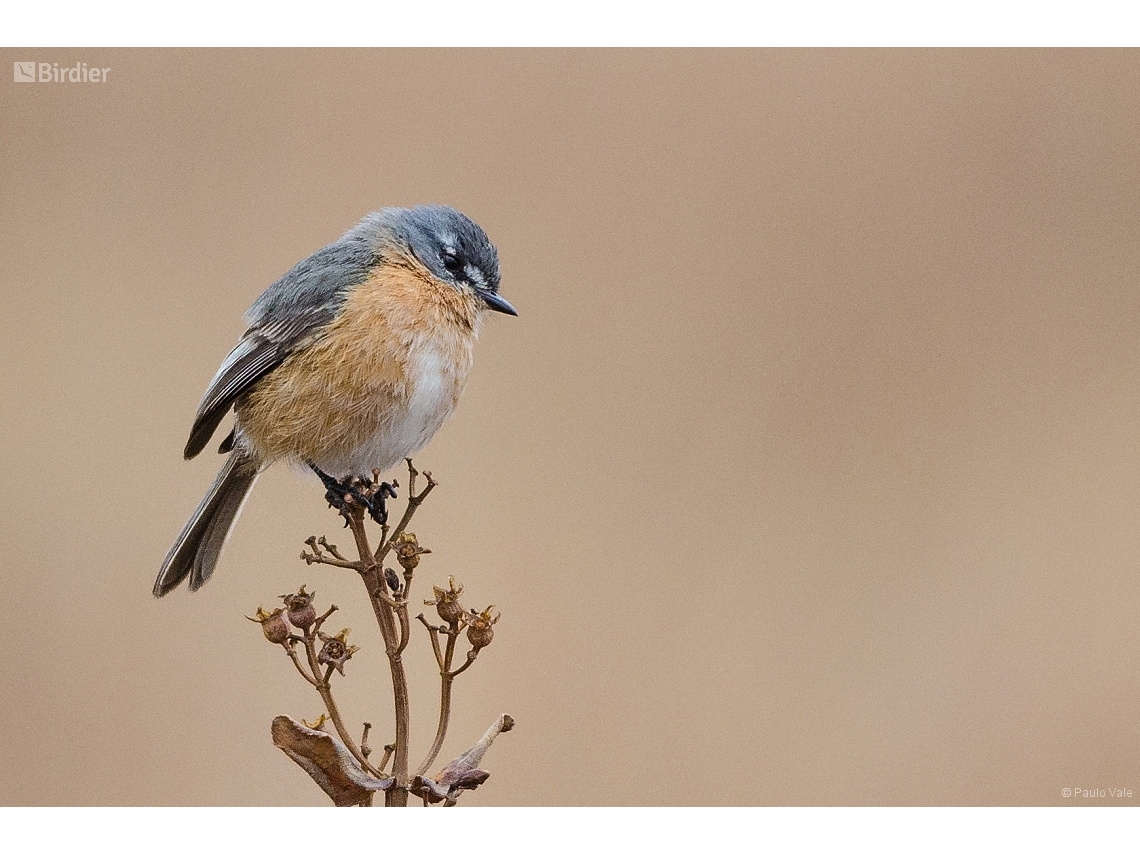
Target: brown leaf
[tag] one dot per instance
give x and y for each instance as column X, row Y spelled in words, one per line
column 327, row 761
column 468, row 761
column 462, row 772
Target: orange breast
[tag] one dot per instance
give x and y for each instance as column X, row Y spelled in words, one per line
column 377, row 383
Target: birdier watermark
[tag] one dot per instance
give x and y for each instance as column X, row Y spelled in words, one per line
column 53, row 72
column 1096, row 793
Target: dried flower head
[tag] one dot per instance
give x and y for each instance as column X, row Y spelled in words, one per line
column 408, row 550
column 447, row 603
column 302, row 612
column 336, row 650
column 479, row 631
column 272, row 624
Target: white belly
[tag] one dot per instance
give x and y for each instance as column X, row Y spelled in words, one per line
column 406, row 425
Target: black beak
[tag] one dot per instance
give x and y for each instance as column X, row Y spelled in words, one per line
column 497, row 303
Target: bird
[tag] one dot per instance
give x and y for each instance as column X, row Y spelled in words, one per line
column 350, row 362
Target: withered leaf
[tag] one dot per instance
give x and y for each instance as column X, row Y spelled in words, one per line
column 327, row 761
column 462, row 772
column 454, row 771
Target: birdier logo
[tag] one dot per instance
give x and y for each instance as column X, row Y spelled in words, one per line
column 51, row 72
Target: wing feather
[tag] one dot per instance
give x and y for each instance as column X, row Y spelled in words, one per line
column 258, row 353
column 290, row 314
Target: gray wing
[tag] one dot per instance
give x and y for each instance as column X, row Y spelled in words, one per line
column 291, row 312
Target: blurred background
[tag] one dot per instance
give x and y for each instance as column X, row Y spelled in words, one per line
column 807, row 475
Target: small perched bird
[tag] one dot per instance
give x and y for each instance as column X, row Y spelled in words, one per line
column 352, row 361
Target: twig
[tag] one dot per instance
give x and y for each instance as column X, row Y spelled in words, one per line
column 320, row 621
column 444, row 717
column 433, row 630
column 414, row 502
column 383, row 595
column 293, row 655
column 471, row 654
column 309, row 558
column 372, row 576
column 325, row 691
column 388, row 750
column 364, row 749
column 331, row 547
column 446, row 678
column 392, row 616
column 405, row 625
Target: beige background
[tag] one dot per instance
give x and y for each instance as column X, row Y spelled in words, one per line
column 808, row 475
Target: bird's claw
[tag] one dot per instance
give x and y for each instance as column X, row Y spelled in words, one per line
column 338, row 493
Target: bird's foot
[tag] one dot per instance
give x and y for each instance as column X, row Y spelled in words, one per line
column 379, row 493
column 369, row 494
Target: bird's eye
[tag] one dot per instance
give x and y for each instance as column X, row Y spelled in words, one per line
column 452, row 262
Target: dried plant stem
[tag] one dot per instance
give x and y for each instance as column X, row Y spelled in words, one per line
column 388, row 751
column 414, row 502
column 446, row 679
column 441, row 728
column 434, row 639
column 337, row 775
column 364, row 749
column 382, row 605
column 293, row 655
column 324, row 689
column 405, row 629
column 471, row 654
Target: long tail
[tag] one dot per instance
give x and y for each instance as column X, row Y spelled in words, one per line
column 197, row 548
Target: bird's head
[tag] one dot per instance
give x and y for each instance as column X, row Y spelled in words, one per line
column 452, row 247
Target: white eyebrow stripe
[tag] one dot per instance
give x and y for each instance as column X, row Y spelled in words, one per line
column 475, row 275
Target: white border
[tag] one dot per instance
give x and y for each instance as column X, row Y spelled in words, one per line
column 174, row 831
column 570, row 23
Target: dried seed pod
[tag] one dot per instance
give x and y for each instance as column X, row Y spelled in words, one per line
column 392, row 578
column 336, row 650
column 302, row 613
column 479, row 631
column 272, row 624
column 408, row 550
column 447, row 603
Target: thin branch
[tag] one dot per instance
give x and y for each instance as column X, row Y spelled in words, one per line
column 334, row 713
column 293, row 655
column 393, row 618
column 364, row 749
column 471, row 655
column 452, row 634
column 325, row 691
column 320, row 621
column 331, row 547
column 310, row 558
column 388, row 751
column 372, row 576
column 445, row 679
column 414, row 502
column 383, row 595
column 444, row 717
column 433, row 630
column 405, row 625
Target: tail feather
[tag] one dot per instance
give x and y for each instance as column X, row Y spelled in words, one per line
column 197, row 548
